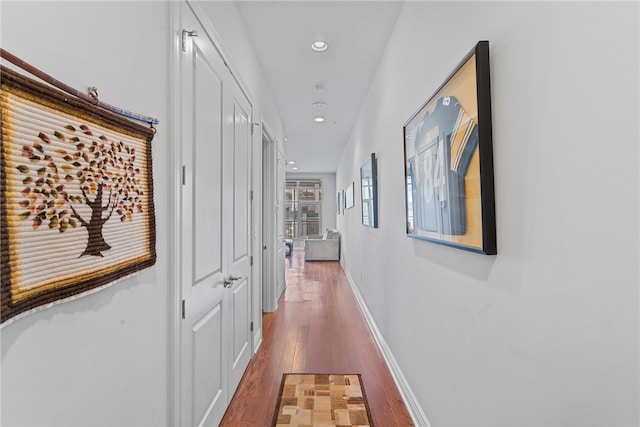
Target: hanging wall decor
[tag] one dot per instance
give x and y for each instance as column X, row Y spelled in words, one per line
column 349, row 200
column 369, row 190
column 449, row 161
column 77, row 207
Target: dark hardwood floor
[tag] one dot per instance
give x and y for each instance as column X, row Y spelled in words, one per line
column 317, row 328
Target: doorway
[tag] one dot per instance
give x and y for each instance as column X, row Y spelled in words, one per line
column 273, row 254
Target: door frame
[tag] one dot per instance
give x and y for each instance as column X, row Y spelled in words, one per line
column 174, row 407
column 273, row 211
column 269, row 158
column 259, row 201
column 280, row 180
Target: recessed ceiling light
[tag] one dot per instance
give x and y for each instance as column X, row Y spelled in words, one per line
column 319, row 87
column 292, row 162
column 319, row 46
column 319, row 104
column 294, row 168
column 319, row 119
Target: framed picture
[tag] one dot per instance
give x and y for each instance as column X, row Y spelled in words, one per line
column 369, row 190
column 449, row 161
column 348, row 197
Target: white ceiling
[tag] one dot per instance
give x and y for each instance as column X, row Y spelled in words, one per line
column 282, row 33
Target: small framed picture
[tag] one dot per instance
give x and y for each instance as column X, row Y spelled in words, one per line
column 348, row 197
column 369, row 191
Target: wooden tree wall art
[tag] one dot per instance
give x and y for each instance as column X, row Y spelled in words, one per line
column 77, row 208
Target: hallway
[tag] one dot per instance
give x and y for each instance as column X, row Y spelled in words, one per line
column 317, row 328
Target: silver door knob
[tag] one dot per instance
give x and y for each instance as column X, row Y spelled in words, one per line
column 228, row 282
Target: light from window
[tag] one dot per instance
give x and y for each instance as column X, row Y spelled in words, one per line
column 303, row 207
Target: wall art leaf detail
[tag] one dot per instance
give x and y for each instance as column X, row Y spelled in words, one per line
column 77, row 196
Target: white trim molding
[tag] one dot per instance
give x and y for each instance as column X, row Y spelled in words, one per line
column 415, row 411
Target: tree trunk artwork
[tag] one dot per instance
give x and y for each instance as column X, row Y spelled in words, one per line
column 74, row 167
column 96, row 243
column 76, row 196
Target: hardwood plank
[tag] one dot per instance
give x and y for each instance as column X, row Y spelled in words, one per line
column 317, row 328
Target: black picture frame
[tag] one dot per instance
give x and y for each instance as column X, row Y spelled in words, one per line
column 369, row 191
column 448, row 161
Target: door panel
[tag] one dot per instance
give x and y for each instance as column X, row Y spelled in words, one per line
column 215, row 120
column 239, row 336
column 207, row 365
column 240, row 304
column 241, row 145
column 207, row 168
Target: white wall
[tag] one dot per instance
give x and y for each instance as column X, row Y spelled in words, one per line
column 546, row 332
column 229, row 26
column 101, row 359
column 329, row 208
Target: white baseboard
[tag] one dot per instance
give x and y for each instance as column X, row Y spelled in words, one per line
column 415, row 411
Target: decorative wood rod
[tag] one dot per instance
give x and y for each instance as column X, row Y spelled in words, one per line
column 49, row 79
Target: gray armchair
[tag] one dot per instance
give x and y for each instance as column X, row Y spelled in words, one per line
column 324, row 247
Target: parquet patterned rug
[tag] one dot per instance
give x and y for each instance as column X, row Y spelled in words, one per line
column 322, row 400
